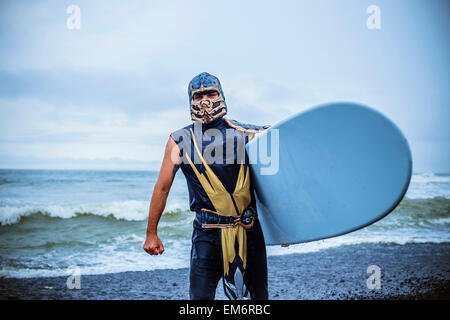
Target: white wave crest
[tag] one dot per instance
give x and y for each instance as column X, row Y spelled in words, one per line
column 132, row 210
column 429, row 185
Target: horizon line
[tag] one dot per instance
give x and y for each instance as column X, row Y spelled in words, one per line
column 105, row 169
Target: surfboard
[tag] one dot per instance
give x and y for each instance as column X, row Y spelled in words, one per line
column 341, row 166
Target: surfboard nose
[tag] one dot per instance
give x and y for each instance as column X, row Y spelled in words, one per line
column 342, row 166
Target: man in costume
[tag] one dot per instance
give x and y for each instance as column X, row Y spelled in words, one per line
column 227, row 240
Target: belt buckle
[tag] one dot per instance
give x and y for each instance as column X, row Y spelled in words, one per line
column 247, row 218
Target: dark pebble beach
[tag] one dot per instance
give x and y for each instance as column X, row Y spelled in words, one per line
column 411, row 272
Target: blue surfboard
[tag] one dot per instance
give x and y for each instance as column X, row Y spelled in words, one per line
column 341, row 167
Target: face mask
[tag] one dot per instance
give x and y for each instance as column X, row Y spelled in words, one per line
column 206, row 110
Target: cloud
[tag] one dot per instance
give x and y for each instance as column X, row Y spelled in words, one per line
column 117, row 86
column 33, row 127
column 270, row 100
column 106, row 90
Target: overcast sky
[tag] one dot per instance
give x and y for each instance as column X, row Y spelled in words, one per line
column 107, row 95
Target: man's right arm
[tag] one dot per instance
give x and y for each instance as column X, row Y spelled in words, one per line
column 169, row 167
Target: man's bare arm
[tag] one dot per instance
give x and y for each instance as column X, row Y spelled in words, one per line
column 169, row 167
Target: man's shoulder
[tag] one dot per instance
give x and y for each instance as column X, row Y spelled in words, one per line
column 245, row 126
column 186, row 128
column 179, row 133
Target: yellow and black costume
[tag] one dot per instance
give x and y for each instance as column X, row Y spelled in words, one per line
column 227, row 240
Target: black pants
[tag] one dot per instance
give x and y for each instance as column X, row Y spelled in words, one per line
column 207, row 264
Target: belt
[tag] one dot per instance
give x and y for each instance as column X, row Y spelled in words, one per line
column 213, row 219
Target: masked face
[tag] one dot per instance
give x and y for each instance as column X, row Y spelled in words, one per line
column 206, row 98
column 207, row 106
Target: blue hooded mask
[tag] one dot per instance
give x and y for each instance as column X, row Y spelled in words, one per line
column 206, row 110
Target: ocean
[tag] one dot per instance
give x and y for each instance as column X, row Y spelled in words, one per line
column 53, row 220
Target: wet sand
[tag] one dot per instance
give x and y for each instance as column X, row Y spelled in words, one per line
column 412, row 271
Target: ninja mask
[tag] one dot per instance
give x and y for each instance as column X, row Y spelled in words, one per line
column 204, row 108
